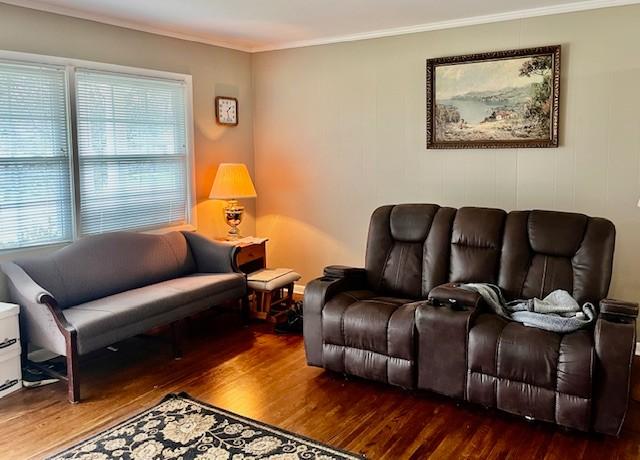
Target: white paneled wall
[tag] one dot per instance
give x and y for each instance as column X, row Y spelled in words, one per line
column 340, row 129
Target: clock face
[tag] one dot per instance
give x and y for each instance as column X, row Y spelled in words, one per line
column 227, row 110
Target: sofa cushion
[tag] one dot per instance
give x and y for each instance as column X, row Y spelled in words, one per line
column 102, row 265
column 99, row 317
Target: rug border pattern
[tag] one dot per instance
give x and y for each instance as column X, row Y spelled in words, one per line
column 184, row 395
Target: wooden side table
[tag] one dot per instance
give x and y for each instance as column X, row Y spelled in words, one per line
column 250, row 256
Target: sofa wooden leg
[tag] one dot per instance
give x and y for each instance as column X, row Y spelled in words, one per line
column 246, row 313
column 24, row 339
column 73, row 368
column 175, row 340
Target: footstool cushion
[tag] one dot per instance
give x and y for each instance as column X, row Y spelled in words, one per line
column 270, row 279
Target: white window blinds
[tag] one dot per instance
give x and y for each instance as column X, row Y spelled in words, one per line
column 35, row 191
column 132, row 152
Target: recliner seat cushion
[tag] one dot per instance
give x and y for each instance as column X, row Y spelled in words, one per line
column 96, row 320
column 531, row 372
column 370, row 336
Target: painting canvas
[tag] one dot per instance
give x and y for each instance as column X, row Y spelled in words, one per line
column 494, row 100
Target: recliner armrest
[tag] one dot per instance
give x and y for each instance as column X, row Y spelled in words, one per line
column 453, row 294
column 343, row 271
column 615, row 343
column 619, row 309
column 316, row 294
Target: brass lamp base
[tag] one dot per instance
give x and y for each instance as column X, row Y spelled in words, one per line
column 233, row 216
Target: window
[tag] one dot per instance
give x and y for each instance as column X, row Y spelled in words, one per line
column 132, row 152
column 130, row 168
column 35, row 184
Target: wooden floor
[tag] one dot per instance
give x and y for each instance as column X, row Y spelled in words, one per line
column 260, row 375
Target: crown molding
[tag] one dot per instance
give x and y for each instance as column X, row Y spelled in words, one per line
column 381, row 33
column 63, row 11
column 452, row 24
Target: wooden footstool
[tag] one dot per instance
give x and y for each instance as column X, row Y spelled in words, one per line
column 266, row 284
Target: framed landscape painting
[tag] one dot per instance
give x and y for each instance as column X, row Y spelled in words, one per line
column 494, row 100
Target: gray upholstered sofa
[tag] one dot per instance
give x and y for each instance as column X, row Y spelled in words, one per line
column 103, row 289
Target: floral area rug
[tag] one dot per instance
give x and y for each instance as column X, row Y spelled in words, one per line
column 182, row 428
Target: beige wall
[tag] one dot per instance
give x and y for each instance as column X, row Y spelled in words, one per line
column 340, row 129
column 215, row 71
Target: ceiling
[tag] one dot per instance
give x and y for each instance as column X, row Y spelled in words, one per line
column 258, row 25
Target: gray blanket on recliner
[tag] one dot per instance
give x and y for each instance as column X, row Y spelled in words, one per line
column 557, row 312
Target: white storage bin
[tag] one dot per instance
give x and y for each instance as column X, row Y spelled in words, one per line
column 10, row 374
column 10, row 369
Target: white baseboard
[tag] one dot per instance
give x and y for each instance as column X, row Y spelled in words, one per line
column 637, row 348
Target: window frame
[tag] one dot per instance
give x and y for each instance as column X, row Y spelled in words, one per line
column 70, row 65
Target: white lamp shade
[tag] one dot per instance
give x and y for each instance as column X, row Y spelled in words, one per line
column 232, row 182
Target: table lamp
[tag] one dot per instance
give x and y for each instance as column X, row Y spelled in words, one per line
column 231, row 183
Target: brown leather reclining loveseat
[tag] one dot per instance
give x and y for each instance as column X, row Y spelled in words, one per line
column 376, row 323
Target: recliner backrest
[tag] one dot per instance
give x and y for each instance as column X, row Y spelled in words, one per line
column 548, row 250
column 476, row 243
column 413, row 248
column 408, row 249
